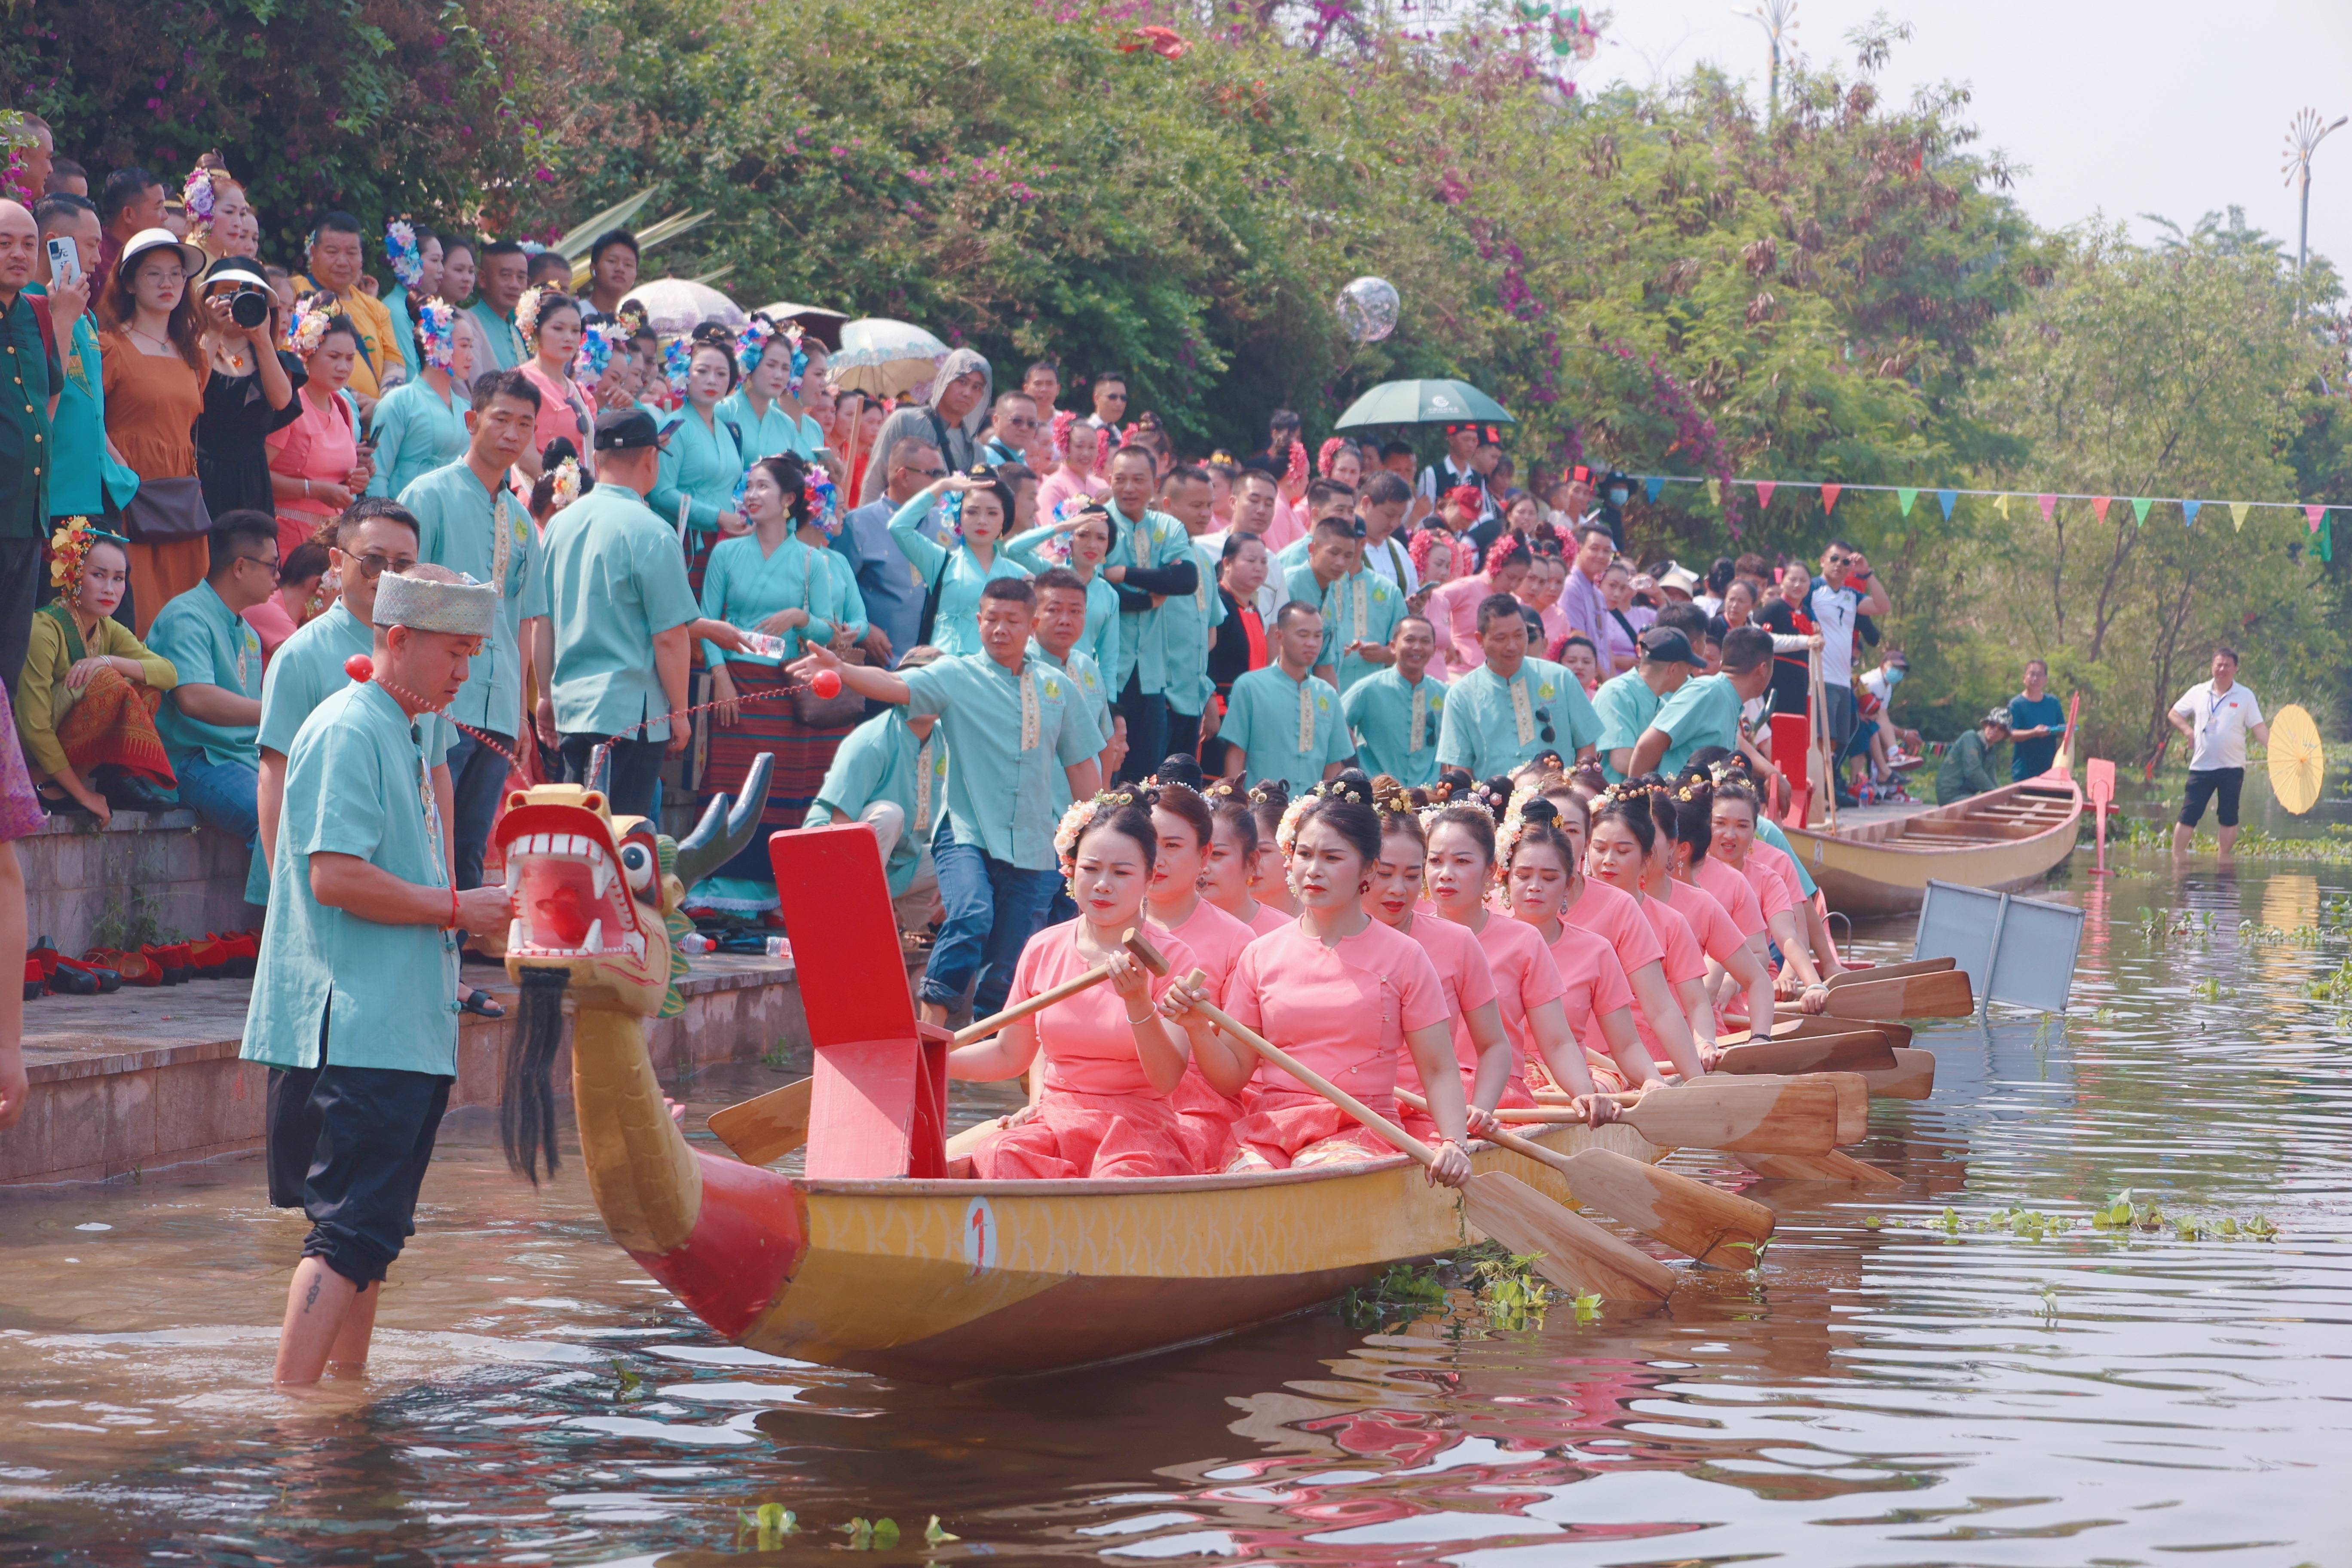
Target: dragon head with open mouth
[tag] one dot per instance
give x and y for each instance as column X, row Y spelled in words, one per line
column 598, row 916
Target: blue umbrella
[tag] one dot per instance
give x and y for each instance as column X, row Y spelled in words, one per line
column 1423, row 403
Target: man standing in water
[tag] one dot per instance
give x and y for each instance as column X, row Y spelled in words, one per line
column 2215, row 715
column 351, row 1000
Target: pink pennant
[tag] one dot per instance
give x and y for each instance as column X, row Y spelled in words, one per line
column 1764, row 488
column 2312, row 514
column 1829, row 497
column 2099, row 505
column 2049, row 507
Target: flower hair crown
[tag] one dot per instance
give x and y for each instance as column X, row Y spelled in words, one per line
column 400, row 247
column 69, row 549
column 1081, row 816
column 1285, row 835
column 527, row 309
column 196, row 194
column 566, row 488
column 436, row 332
column 309, row 328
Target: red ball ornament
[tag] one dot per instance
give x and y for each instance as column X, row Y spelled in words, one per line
column 360, row 666
column 825, row 683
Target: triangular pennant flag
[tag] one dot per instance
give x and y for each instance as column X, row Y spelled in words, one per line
column 1652, row 485
column 1764, row 488
column 1829, row 497
column 2099, row 504
column 2140, row 511
column 1944, row 499
column 2049, row 507
column 2189, row 513
column 1715, row 492
column 2312, row 514
column 2238, row 509
column 2004, row 505
column 1906, row 497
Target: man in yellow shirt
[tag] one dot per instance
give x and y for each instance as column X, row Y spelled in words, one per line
column 335, row 263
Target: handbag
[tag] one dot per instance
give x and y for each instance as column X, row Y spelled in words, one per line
column 845, row 707
column 165, row 510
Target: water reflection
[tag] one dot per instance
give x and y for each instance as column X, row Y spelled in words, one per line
column 1902, row 1393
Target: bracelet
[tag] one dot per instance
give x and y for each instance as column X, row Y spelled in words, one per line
column 1148, row 1016
column 305, row 490
column 452, row 908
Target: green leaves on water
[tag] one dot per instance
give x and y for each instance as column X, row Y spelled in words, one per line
column 2122, row 1216
column 873, row 1535
column 1588, row 1308
column 771, row 1521
column 1512, row 1293
column 933, row 1535
column 630, row 1385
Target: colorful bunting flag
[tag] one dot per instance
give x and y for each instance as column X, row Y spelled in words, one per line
column 1653, row 485
column 2189, row 513
column 2004, row 505
column 2140, row 511
column 2099, row 505
column 2315, row 514
column 1829, row 497
column 1905, row 496
column 1764, row 488
column 2049, row 507
column 2312, row 514
column 2327, row 540
column 2238, row 510
column 1944, row 499
column 1715, row 492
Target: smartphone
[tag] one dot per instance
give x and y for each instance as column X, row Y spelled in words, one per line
column 65, row 260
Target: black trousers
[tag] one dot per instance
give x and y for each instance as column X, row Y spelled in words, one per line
column 636, row 770
column 1147, row 730
column 1183, row 734
column 21, row 579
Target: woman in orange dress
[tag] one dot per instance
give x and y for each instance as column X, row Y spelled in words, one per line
column 1112, row 1059
column 152, row 362
column 1187, row 828
column 1538, row 867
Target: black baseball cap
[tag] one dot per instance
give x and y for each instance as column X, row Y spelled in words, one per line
column 1664, row 645
column 626, row 429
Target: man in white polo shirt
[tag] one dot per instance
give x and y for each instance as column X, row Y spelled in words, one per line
column 2215, row 715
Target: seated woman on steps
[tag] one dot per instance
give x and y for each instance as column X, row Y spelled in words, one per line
column 1344, row 995
column 86, row 701
column 1181, row 818
column 1112, row 1059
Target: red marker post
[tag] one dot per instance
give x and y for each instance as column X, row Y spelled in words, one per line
column 2099, row 781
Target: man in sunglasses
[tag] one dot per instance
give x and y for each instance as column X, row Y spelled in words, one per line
column 1501, row 714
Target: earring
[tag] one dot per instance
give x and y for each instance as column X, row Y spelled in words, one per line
column 1363, row 887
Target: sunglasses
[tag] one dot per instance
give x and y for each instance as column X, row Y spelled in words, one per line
column 373, row 567
column 1543, row 717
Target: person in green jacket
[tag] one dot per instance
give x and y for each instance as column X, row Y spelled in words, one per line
column 1967, row 766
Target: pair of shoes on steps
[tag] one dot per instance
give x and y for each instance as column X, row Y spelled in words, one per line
column 47, row 969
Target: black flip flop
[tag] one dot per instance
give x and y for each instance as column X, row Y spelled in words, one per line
column 481, row 1004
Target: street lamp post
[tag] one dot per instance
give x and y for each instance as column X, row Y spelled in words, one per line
column 2303, row 135
column 1776, row 17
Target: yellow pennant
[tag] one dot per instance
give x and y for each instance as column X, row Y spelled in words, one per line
column 1715, row 492
column 2004, row 505
column 2238, row 510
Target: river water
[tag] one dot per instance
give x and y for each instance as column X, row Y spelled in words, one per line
column 1883, row 1390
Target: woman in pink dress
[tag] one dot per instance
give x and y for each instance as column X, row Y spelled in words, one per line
column 1731, row 822
column 1491, row 1072
column 1620, row 842
column 1270, row 867
column 1082, row 449
column 1458, row 869
column 1231, row 868
column 317, row 464
column 1456, row 605
column 550, row 323
column 1538, row 863
column 1344, row 995
column 1741, row 980
column 1112, row 1057
column 1187, row 829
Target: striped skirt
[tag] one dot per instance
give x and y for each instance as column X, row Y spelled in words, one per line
column 764, row 722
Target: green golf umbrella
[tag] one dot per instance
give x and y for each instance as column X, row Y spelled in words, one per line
column 1423, row 403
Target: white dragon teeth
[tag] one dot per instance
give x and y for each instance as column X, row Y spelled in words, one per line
column 594, row 941
column 635, row 942
column 600, row 873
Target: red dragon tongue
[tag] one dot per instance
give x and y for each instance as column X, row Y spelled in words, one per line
column 559, row 911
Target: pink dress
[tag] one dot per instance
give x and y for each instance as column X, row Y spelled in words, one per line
column 1614, row 916
column 1216, row 939
column 321, row 445
column 1469, row 984
column 1728, row 887
column 1343, row 1011
column 1099, row 1116
column 1592, row 987
column 1684, row 960
column 1773, row 892
column 1289, row 524
column 271, row 623
column 1455, row 607
column 1061, row 485
column 21, row 816
column 563, row 411
column 1525, row 978
column 1269, row 919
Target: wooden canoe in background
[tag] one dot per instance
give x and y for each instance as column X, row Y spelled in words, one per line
column 2004, row 839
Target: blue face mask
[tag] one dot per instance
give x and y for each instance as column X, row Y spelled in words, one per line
column 1895, row 675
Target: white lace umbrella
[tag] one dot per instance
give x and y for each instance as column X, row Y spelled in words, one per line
column 885, row 357
column 675, row 305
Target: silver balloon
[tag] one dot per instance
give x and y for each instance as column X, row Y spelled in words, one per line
column 1367, row 308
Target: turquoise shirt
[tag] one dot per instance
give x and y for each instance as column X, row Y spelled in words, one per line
column 1186, row 624
column 506, row 342
column 307, row 668
column 881, row 760
column 615, row 578
column 1082, row 668
column 461, row 525
column 700, row 467
column 1396, row 725
column 1362, row 607
column 999, row 775
column 414, row 433
column 771, row 434
column 955, row 624
column 403, row 332
column 1492, row 726
column 1704, row 712
column 210, row 644
column 356, row 784
column 1100, row 639
column 1770, row 831
column 743, row 587
column 86, row 475
column 1288, row 730
column 1625, row 705
column 1142, row 648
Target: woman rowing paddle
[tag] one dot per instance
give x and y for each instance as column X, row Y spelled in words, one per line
column 1112, row 1059
column 1182, row 821
column 1345, row 995
column 1537, row 863
column 1731, row 822
column 1232, row 859
column 1269, row 876
column 1458, row 870
column 1621, row 844
column 1490, row 1071
column 1734, row 939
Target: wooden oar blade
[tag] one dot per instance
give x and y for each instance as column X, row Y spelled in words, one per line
column 764, row 1129
column 1891, row 972
column 1944, row 996
column 1570, row 1251
column 1853, row 1105
column 1834, row 1166
column 1691, row 1216
column 1912, row 1076
column 1865, row 1050
column 1811, row 1026
column 1768, row 1115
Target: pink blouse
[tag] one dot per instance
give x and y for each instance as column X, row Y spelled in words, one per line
column 1455, row 607
column 1525, row 977
column 1718, row 934
column 1269, row 919
column 1343, row 1011
column 1773, row 892
column 1468, row 984
column 321, row 445
column 1731, row 890
column 1615, row 917
column 1086, row 1040
column 563, row 411
column 1216, row 939
column 1592, row 982
column 1684, row 958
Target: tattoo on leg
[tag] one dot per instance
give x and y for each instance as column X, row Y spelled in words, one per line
column 311, row 1297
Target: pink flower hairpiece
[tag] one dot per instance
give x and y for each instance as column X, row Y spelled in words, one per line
column 436, row 332
column 196, row 194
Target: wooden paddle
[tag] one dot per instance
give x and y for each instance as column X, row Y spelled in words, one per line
column 1687, row 1216
column 1765, row 1115
column 1946, row 994
column 1810, row 1026
column 1891, row 971
column 767, row 1127
column 1834, row 1166
column 1569, row 1250
column 1859, row 1051
column 1912, row 1076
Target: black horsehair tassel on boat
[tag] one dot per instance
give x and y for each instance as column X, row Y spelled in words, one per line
column 527, row 1096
